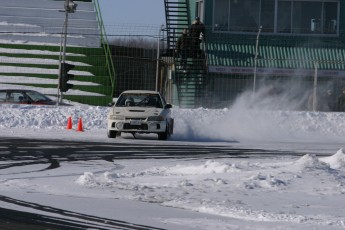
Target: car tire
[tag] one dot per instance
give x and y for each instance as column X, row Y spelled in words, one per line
column 111, row 134
column 163, row 136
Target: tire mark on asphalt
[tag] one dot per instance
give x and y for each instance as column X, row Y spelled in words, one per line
column 69, row 219
column 16, row 152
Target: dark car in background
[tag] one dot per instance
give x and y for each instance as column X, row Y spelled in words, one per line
column 22, row 96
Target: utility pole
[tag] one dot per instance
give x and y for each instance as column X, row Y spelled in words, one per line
column 158, row 55
column 316, row 66
column 70, row 7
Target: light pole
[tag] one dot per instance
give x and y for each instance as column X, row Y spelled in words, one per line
column 70, row 7
column 316, row 66
column 158, row 54
column 256, row 58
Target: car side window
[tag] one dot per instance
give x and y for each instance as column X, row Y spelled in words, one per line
column 3, row 96
column 157, row 102
column 16, row 97
column 10, row 97
column 37, row 96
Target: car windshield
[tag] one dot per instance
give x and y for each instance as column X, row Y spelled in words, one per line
column 35, row 96
column 142, row 100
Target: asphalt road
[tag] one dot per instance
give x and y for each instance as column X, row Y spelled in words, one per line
column 61, row 150
column 15, row 152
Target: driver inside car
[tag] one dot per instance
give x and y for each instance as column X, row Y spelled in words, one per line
column 129, row 102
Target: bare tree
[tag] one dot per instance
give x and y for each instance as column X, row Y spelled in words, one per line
column 135, row 42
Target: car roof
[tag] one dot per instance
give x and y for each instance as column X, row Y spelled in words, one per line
column 17, row 90
column 141, row 91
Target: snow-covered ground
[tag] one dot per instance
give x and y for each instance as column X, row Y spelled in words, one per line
column 260, row 192
column 276, row 192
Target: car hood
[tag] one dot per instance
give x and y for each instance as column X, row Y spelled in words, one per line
column 136, row 111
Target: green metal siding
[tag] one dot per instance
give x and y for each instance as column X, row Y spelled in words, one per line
column 239, row 55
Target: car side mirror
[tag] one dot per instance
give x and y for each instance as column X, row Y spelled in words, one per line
column 168, row 106
column 113, row 102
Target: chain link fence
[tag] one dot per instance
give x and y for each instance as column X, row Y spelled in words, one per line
column 291, row 67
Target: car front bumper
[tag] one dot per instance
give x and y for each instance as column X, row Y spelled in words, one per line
column 137, row 126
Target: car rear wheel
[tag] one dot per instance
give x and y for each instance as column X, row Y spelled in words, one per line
column 112, row 134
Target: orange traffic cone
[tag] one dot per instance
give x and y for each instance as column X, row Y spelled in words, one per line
column 80, row 125
column 69, row 123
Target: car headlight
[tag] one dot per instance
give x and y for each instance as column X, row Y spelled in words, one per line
column 117, row 117
column 119, row 125
column 155, row 118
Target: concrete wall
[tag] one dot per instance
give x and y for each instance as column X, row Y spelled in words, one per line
column 42, row 21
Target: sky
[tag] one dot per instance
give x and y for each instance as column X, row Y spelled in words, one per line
column 132, row 17
column 150, row 12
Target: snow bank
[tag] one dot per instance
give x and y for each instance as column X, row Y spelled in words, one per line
column 200, row 125
column 337, row 161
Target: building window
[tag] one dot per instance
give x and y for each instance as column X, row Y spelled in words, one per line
column 221, row 15
column 244, row 15
column 284, row 17
column 277, row 16
column 199, row 9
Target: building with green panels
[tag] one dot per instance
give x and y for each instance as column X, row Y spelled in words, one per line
column 252, row 43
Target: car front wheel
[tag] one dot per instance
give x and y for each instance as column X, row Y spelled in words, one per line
column 112, row 134
column 163, row 136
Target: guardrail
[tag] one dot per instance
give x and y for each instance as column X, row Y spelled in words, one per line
column 106, row 47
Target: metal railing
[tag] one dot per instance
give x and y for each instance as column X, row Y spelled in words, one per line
column 106, row 47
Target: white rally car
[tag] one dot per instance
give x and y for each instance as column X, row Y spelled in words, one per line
column 140, row 111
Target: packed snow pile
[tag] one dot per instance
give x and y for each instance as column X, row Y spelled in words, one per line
column 210, row 125
column 271, row 190
column 337, row 161
column 311, row 162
